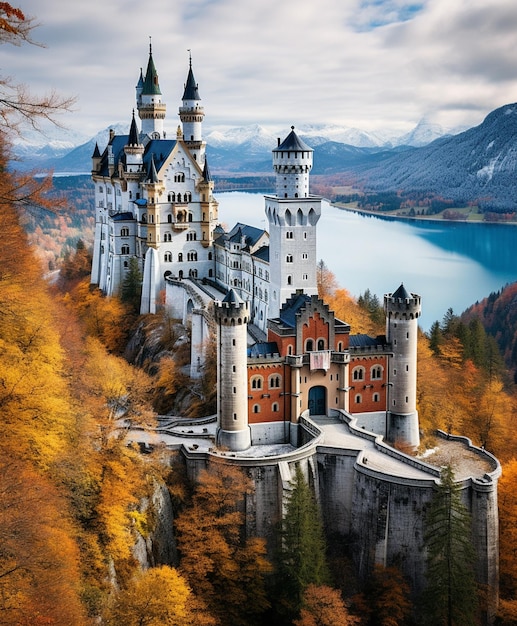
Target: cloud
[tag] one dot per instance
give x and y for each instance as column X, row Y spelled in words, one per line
column 371, row 64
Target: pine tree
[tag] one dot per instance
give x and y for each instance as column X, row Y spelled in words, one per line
column 302, row 551
column 450, row 598
column 131, row 289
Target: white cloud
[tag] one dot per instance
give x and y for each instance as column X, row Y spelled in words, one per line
column 372, row 64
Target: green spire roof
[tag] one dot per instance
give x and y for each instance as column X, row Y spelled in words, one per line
column 151, row 86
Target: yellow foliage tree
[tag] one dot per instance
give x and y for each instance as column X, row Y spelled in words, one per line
column 324, row 606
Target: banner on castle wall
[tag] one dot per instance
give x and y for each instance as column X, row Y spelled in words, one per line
column 319, row 360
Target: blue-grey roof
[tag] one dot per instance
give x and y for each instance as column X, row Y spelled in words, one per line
column 133, row 133
column 160, row 148
column 123, row 217
column 262, row 349
column 293, row 142
column 233, row 297
column 250, row 233
column 262, row 253
column 291, row 307
column 364, row 341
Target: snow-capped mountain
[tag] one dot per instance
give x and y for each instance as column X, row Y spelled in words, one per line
column 480, row 163
column 423, row 134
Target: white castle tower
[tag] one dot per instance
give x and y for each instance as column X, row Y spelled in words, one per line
column 232, row 316
column 402, row 312
column 191, row 115
column 292, row 215
column 151, row 109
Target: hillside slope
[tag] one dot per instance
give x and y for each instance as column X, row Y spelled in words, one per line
column 479, row 164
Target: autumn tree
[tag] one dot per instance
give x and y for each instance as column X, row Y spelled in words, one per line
column 154, row 597
column 324, row 606
column 507, row 498
column 301, row 555
column 221, row 565
column 326, row 281
column 385, row 600
column 17, row 104
column 451, row 596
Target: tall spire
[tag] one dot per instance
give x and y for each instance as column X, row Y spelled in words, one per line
column 191, row 91
column 133, row 133
column 151, row 86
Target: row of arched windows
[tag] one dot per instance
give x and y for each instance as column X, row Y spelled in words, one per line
column 359, row 373
column 179, row 197
column 274, row 408
column 358, row 398
column 274, row 382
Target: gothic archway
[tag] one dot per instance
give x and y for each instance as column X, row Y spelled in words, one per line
column 318, row 400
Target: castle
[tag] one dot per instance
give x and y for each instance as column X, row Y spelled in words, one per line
column 295, row 386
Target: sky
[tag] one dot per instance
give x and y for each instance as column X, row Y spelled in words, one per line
column 376, row 65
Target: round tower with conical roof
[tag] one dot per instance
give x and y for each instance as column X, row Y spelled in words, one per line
column 151, row 109
column 191, row 115
column 403, row 310
column 292, row 215
column 232, row 316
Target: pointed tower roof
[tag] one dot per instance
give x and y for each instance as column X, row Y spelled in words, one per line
column 191, row 88
column 152, row 175
column 151, row 86
column 401, row 293
column 133, row 139
column 206, row 172
column 96, row 152
column 232, row 297
column 140, row 83
column 293, row 142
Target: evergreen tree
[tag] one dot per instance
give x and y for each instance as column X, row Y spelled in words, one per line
column 301, row 559
column 131, row 289
column 435, row 338
column 450, row 598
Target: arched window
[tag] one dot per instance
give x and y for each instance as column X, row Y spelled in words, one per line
column 358, row 398
column 289, row 258
column 358, row 373
column 190, row 217
column 256, row 382
column 124, row 232
column 376, row 372
column 256, row 408
column 124, row 250
column 309, row 345
column 169, row 218
column 274, row 407
column 321, row 344
column 376, row 397
column 167, row 257
column 274, row 381
column 289, row 279
column 340, row 346
column 180, row 257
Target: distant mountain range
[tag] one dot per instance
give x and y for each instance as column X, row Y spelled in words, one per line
column 480, row 162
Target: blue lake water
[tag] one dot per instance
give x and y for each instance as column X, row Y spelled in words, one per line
column 448, row 264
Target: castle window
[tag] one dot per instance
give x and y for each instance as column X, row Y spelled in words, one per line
column 289, row 258
column 124, row 232
column 256, row 382
column 169, row 218
column 407, row 399
column 180, row 257
column 321, row 344
column 340, row 347
column 256, row 408
column 192, row 256
column 305, row 235
column 289, row 279
column 167, row 257
column 209, row 256
column 190, row 218
column 358, row 373
column 126, row 264
column 274, row 407
column 192, row 273
column 289, row 234
column 309, row 345
column 274, row 382
column 124, row 250
column 191, row 236
column 376, row 397
column 358, row 398
column 376, row 372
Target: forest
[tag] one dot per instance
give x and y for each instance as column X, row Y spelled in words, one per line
column 79, row 511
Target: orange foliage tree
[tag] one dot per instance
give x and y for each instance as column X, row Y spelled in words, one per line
column 324, row 606
column 222, row 568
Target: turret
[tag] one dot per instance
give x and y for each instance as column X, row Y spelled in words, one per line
column 402, row 312
column 292, row 216
column 134, row 150
column 232, row 316
column 191, row 115
column 292, row 162
column 96, row 158
column 151, row 109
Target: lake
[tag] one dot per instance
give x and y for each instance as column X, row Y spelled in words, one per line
column 449, row 264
